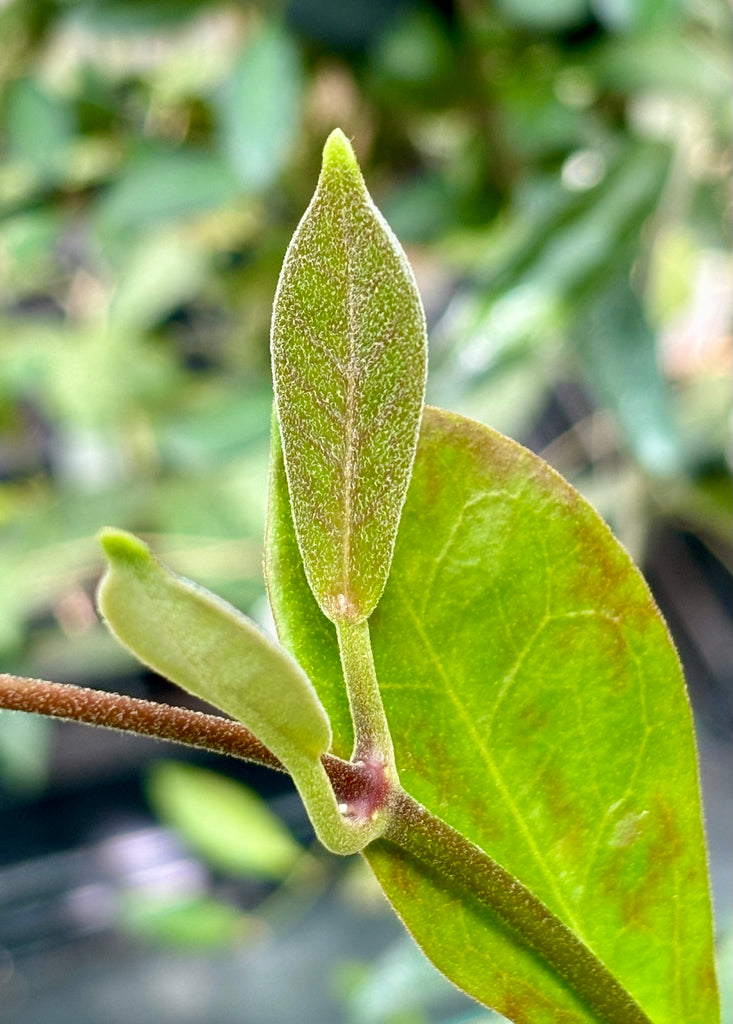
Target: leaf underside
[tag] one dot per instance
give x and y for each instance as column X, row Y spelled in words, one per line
column 349, row 364
column 537, row 705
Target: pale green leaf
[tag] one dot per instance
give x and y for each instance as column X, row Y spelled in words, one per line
column 536, row 705
column 207, row 647
column 210, row 649
column 227, row 823
column 257, row 107
column 349, row 360
column 196, row 923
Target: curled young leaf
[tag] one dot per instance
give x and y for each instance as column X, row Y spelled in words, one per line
column 207, row 647
column 210, row 649
column 349, row 365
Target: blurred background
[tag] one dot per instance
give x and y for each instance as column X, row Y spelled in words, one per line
column 559, row 174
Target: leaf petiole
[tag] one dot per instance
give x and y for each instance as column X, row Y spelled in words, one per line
column 372, row 738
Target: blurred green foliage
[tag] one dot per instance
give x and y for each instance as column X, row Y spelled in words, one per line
column 558, row 173
column 226, row 822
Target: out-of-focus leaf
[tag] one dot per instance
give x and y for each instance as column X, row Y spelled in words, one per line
column 26, row 249
column 350, row 27
column 725, row 958
column 95, row 377
column 234, row 419
column 25, row 747
column 166, row 185
column 664, row 61
column 618, row 348
column 401, row 981
column 421, row 209
column 161, row 273
column 257, row 107
column 558, row 258
column 124, row 16
column 38, row 128
column 192, row 923
column 414, row 55
column 635, row 15
column 227, row 823
column 544, row 17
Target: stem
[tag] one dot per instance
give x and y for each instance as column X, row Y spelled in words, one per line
column 378, row 807
column 131, row 714
column 348, row 804
column 372, row 739
column 457, row 860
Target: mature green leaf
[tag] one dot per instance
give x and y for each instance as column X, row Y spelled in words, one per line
column 537, row 706
column 210, row 649
column 229, row 824
column 349, row 360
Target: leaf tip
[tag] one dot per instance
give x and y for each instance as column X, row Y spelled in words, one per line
column 338, row 154
column 120, row 546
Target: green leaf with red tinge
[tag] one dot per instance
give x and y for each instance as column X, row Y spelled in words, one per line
column 536, row 705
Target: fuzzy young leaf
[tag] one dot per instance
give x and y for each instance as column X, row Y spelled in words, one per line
column 349, row 363
column 210, row 649
column 537, row 706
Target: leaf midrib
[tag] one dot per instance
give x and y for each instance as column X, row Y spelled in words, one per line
column 352, row 375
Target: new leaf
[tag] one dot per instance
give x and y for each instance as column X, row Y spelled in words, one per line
column 349, row 363
column 210, row 649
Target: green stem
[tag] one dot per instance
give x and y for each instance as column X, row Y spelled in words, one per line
column 457, row 861
column 343, row 828
column 372, row 738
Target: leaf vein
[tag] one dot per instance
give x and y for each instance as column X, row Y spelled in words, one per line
column 470, row 726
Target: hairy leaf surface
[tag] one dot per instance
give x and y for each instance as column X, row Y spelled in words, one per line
column 537, row 705
column 210, row 649
column 349, row 363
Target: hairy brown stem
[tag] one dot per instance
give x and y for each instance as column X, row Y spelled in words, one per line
column 411, row 826
column 131, row 714
column 165, row 722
